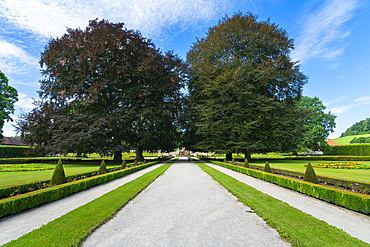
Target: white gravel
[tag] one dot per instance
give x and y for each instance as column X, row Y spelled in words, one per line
column 355, row 224
column 16, row 226
column 185, row 207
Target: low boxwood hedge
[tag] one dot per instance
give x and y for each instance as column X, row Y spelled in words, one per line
column 33, row 199
column 349, row 200
column 13, row 151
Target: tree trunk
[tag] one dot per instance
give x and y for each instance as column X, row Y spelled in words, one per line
column 117, row 156
column 295, row 153
column 247, row 155
column 139, row 154
column 229, row 156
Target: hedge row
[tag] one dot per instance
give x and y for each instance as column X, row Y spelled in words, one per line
column 349, row 200
column 354, row 149
column 13, row 205
column 13, row 151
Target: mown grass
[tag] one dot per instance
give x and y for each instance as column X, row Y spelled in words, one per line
column 13, row 178
column 360, row 175
column 297, row 227
column 72, row 228
column 345, row 140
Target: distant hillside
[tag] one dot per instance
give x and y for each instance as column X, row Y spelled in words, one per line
column 360, row 128
column 347, row 139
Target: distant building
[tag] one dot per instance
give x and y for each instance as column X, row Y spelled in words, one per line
column 332, row 143
column 12, row 141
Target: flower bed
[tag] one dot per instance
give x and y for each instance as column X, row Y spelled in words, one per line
column 349, row 200
column 341, row 165
column 24, row 167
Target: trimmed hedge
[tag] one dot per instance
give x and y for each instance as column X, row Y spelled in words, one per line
column 354, row 149
column 349, row 200
column 13, row 151
column 13, row 205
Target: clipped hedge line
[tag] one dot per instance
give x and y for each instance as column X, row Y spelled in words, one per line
column 13, row 151
column 13, row 205
column 353, row 149
column 349, row 200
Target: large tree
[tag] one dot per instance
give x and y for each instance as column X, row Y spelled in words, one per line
column 316, row 125
column 8, row 97
column 244, row 86
column 106, row 89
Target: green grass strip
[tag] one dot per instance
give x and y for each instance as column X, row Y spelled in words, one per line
column 297, row 227
column 72, row 228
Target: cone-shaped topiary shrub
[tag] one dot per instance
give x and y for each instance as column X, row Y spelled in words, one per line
column 246, row 163
column 267, row 167
column 123, row 164
column 102, row 168
column 310, row 175
column 233, row 161
column 59, row 176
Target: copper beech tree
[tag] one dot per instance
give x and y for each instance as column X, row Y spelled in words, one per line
column 108, row 90
column 244, row 88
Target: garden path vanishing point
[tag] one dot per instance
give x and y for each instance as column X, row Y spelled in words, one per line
column 20, row 224
column 185, row 207
column 355, row 224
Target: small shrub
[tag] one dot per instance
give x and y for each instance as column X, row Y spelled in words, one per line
column 267, row 167
column 246, row 163
column 123, row 164
column 310, row 175
column 233, row 161
column 102, row 168
column 59, row 176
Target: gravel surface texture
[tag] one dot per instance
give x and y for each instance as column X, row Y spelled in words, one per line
column 18, row 225
column 355, row 224
column 185, row 207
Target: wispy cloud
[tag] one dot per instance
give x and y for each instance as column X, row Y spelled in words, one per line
column 334, row 100
column 357, row 102
column 14, row 59
column 152, row 17
column 24, row 102
column 322, row 29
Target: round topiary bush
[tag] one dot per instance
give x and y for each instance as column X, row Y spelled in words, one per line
column 123, row 164
column 267, row 167
column 310, row 175
column 59, row 176
column 246, row 163
column 102, row 168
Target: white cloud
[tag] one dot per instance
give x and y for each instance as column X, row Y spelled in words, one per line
column 322, row 28
column 357, row 102
column 14, row 59
column 24, row 102
column 50, row 18
column 335, row 100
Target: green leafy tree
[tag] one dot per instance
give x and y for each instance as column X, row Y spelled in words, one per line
column 108, row 90
column 8, row 97
column 243, row 87
column 316, row 125
column 359, row 128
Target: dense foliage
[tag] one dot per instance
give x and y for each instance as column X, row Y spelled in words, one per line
column 8, row 97
column 360, row 140
column 359, row 128
column 108, row 90
column 353, row 149
column 317, row 125
column 13, row 151
column 243, row 88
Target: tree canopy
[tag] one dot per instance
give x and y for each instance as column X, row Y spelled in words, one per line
column 359, row 128
column 317, row 125
column 8, row 97
column 106, row 89
column 243, row 87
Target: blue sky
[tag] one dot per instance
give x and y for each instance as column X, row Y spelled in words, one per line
column 331, row 40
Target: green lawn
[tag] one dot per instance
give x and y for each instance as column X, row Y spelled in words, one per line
column 12, row 178
column 345, row 140
column 360, row 175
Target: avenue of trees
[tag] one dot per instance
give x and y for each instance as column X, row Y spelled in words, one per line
column 109, row 90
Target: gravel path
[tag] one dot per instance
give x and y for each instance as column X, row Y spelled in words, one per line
column 355, row 224
column 16, row 226
column 185, row 207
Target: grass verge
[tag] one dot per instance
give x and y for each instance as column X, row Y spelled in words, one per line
column 297, row 227
column 71, row 229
